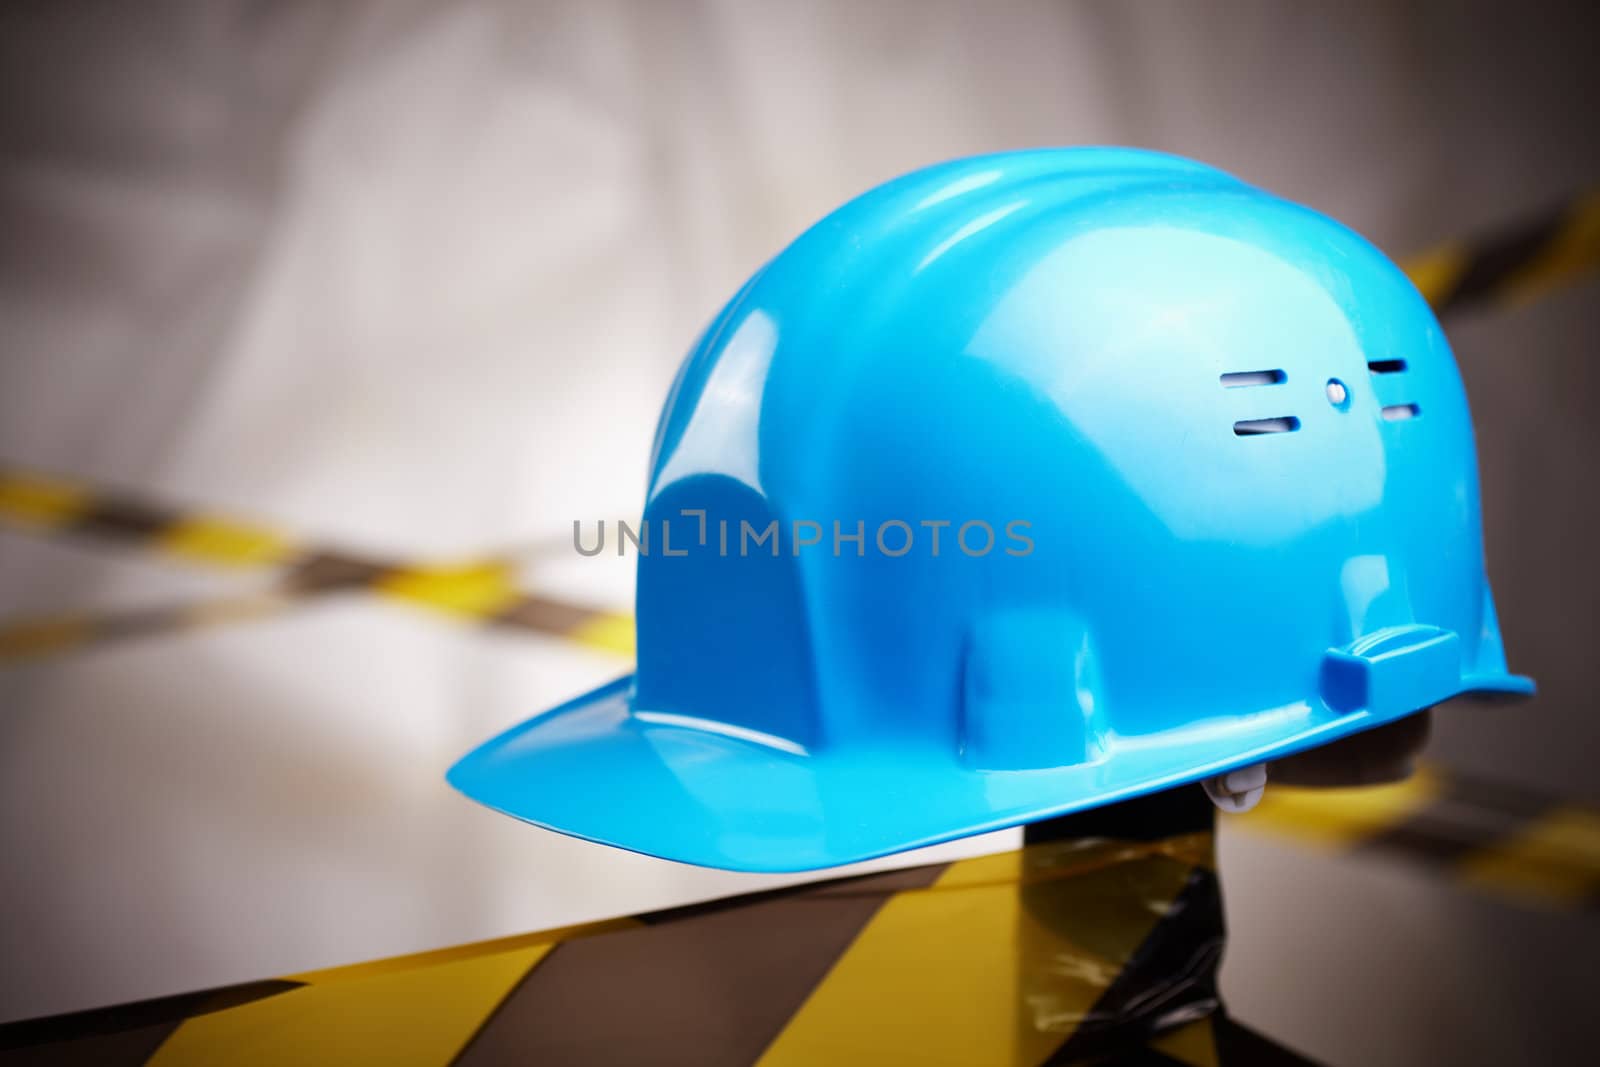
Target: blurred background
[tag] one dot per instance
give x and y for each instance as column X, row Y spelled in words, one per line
column 411, row 279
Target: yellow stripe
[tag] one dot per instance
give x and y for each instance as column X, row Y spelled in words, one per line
column 1436, row 273
column 996, row 963
column 419, row 1017
column 224, row 543
column 34, row 500
column 1335, row 818
column 1574, row 250
column 25, row 640
column 472, row 590
column 608, row 633
column 1554, row 859
column 1194, row 1044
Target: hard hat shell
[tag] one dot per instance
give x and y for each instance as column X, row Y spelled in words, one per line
column 1225, row 463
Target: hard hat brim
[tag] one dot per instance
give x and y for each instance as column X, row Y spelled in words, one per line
column 699, row 793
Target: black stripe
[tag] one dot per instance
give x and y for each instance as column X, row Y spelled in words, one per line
column 709, row 985
column 1170, row 980
column 335, row 572
column 848, row 885
column 131, row 1047
column 1236, row 1046
column 542, row 615
column 168, row 1011
column 1498, row 258
column 121, row 519
column 1467, row 816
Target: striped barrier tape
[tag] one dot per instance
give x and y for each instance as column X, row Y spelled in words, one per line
column 482, row 590
column 1515, row 264
column 1059, row 953
column 1063, row 952
column 1532, row 848
column 1069, row 950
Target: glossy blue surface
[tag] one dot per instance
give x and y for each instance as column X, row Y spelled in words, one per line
column 1038, row 337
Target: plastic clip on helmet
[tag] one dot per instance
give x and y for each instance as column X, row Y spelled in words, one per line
column 1019, row 485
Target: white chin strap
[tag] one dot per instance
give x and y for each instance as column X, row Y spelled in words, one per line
column 1237, row 791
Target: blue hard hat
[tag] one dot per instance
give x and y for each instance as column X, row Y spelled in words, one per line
column 1019, row 485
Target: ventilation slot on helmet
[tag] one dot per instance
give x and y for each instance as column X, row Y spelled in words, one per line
column 1238, row 379
column 1393, row 412
column 1252, row 427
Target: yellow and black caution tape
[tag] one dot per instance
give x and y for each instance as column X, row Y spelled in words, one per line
column 1515, row 264
column 1489, row 837
column 1078, row 950
column 482, row 590
column 1013, row 959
